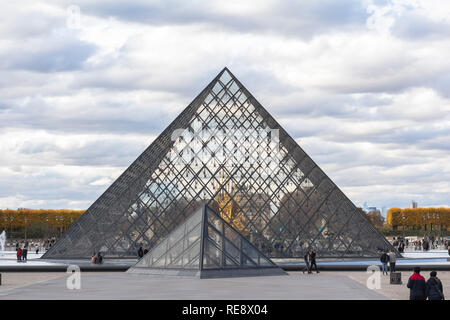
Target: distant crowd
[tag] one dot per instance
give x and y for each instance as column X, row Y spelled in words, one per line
column 22, row 248
column 425, row 244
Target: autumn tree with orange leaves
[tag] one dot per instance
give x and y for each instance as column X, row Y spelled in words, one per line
column 37, row 221
column 419, row 217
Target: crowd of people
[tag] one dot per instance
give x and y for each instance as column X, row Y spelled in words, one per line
column 425, row 244
column 419, row 288
column 22, row 248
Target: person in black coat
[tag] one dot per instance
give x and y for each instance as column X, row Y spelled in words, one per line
column 140, row 253
column 417, row 286
column 434, row 289
column 384, row 259
column 313, row 260
column 99, row 258
column 24, row 254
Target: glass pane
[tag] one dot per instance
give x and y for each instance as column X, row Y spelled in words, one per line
column 214, row 220
column 215, row 237
column 212, row 256
column 250, row 252
column 232, row 251
column 191, row 256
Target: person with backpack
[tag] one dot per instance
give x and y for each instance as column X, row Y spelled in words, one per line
column 417, row 286
column 434, row 289
column 384, row 259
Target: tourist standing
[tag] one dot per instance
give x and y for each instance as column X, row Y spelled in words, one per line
column 417, row 286
column 392, row 261
column 384, row 259
column 19, row 254
column 99, row 258
column 140, row 253
column 313, row 260
column 307, row 258
column 24, row 254
column 434, row 289
column 94, row 258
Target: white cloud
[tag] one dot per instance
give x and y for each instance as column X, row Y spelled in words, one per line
column 362, row 85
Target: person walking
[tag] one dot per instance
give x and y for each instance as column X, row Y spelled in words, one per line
column 434, row 289
column 417, row 286
column 313, row 260
column 392, row 261
column 140, row 253
column 307, row 258
column 384, row 259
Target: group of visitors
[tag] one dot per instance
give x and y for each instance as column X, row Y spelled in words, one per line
column 388, row 257
column 400, row 244
column 310, row 261
column 35, row 246
column 425, row 244
column 49, row 243
column 97, row 258
column 432, row 289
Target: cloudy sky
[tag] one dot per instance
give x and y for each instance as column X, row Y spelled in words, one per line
column 362, row 85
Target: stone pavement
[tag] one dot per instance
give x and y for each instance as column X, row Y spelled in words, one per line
column 102, row 285
column 395, row 291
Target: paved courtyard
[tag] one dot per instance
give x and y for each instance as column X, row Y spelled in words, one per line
column 120, row 285
column 95, row 285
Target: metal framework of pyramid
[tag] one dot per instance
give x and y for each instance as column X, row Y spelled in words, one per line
column 227, row 150
column 205, row 246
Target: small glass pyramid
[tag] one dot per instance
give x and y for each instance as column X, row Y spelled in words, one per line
column 205, row 246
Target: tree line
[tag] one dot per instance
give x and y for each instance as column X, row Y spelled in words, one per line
column 419, row 217
column 37, row 222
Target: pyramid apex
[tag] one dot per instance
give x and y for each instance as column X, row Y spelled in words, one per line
column 225, row 69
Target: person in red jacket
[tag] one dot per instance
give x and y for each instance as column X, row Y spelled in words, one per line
column 19, row 255
column 417, row 286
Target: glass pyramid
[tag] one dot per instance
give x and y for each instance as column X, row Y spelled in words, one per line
column 205, row 245
column 227, row 150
